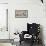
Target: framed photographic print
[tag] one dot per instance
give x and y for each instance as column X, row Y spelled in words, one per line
column 21, row 13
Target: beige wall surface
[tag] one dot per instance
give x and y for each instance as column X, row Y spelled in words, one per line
column 5, row 44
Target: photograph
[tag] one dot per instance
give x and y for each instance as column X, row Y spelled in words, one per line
column 21, row 13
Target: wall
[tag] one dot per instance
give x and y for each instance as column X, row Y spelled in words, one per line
column 45, row 30
column 3, row 1
column 36, row 13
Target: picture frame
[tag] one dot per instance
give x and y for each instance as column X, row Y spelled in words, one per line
column 21, row 13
